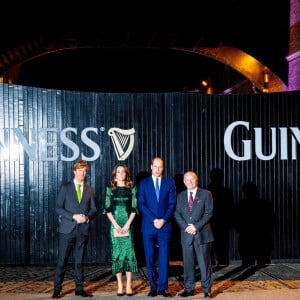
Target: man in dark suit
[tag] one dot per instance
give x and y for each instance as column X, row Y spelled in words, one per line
column 193, row 212
column 75, row 208
column 156, row 210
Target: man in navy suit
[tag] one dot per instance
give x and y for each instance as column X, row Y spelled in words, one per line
column 75, row 209
column 156, row 211
column 194, row 210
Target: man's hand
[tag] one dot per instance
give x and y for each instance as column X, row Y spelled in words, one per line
column 159, row 223
column 80, row 218
column 191, row 229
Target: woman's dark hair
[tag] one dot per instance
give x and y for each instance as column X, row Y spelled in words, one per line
column 128, row 181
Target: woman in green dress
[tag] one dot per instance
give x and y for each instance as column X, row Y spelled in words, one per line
column 121, row 208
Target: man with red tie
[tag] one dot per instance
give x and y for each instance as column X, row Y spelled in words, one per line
column 193, row 212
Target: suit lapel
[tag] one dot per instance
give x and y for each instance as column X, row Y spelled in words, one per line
column 162, row 185
column 84, row 191
column 197, row 199
column 73, row 188
column 185, row 203
column 152, row 187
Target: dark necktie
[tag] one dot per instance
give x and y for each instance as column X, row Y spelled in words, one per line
column 191, row 201
column 157, row 189
column 79, row 192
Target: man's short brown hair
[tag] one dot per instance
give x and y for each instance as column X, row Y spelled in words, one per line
column 80, row 164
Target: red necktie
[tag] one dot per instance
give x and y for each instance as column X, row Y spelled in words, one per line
column 191, row 201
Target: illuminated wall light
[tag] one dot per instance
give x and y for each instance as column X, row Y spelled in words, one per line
column 206, row 87
column 209, row 90
column 266, row 81
column 204, row 83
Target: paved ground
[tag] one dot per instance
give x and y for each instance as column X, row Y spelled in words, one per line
column 272, row 282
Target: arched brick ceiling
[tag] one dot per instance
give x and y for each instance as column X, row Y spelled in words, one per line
column 44, row 45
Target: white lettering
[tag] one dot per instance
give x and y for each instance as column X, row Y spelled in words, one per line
column 296, row 136
column 233, row 133
column 48, row 144
column 259, row 143
column 29, row 149
column 283, row 144
column 228, row 142
column 70, row 144
column 86, row 140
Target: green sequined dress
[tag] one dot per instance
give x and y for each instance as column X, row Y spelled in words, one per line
column 121, row 202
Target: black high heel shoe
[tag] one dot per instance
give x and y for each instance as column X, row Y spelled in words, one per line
column 129, row 294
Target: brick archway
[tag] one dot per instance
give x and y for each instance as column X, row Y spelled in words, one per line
column 238, row 60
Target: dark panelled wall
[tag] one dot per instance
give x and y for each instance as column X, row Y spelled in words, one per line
column 42, row 132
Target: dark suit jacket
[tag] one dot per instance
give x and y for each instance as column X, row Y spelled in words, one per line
column 200, row 216
column 150, row 208
column 67, row 205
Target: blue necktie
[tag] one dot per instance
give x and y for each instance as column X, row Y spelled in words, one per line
column 157, row 189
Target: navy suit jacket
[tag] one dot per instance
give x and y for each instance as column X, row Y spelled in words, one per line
column 67, row 205
column 150, row 208
column 200, row 216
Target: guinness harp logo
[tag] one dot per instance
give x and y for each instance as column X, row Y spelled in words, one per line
column 123, row 141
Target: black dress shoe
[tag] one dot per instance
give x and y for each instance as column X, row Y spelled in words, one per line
column 83, row 293
column 56, row 295
column 207, row 295
column 152, row 293
column 164, row 294
column 186, row 293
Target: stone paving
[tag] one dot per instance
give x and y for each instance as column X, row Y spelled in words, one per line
column 36, row 282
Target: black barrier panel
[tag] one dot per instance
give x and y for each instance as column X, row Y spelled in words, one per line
column 42, row 132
